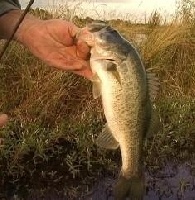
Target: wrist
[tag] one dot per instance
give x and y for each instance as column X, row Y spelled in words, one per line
column 9, row 20
column 27, row 29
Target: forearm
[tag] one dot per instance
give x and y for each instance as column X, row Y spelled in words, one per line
column 6, row 24
column 9, row 20
column 6, row 5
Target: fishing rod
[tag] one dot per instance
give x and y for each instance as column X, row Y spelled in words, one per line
column 16, row 28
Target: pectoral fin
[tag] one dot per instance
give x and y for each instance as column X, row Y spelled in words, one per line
column 112, row 67
column 106, row 140
column 96, row 87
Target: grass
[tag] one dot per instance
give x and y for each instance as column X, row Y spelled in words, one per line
column 54, row 119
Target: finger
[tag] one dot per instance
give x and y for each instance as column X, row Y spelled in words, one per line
column 3, row 119
column 86, row 73
column 66, row 61
column 67, row 33
column 72, row 65
column 85, row 36
column 83, row 50
column 73, row 30
column 76, row 65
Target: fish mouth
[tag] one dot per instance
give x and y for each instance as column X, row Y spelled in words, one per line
column 103, row 58
column 107, row 59
column 87, row 34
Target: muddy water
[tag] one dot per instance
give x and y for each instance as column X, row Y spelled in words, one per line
column 171, row 183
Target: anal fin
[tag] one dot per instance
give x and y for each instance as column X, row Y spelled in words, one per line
column 155, row 124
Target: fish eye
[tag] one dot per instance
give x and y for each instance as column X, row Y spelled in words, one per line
column 102, row 39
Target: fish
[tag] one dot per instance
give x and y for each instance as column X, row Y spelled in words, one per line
column 128, row 92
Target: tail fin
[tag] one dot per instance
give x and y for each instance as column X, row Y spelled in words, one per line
column 132, row 188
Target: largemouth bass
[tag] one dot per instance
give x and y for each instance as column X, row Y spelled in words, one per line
column 126, row 91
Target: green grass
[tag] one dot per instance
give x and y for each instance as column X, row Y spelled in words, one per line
column 54, row 119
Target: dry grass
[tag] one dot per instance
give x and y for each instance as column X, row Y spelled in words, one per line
column 170, row 51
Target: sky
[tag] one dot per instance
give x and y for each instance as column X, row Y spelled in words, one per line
column 134, row 9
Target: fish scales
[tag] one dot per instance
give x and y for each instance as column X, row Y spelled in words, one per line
column 124, row 111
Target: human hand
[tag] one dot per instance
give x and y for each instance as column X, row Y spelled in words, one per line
column 53, row 41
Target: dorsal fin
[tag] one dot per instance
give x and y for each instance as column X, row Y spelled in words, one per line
column 153, row 84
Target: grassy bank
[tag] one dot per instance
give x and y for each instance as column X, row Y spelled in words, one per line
column 54, row 119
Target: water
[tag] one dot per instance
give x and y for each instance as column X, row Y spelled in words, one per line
column 171, row 183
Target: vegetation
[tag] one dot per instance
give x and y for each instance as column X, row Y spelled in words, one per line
column 49, row 141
